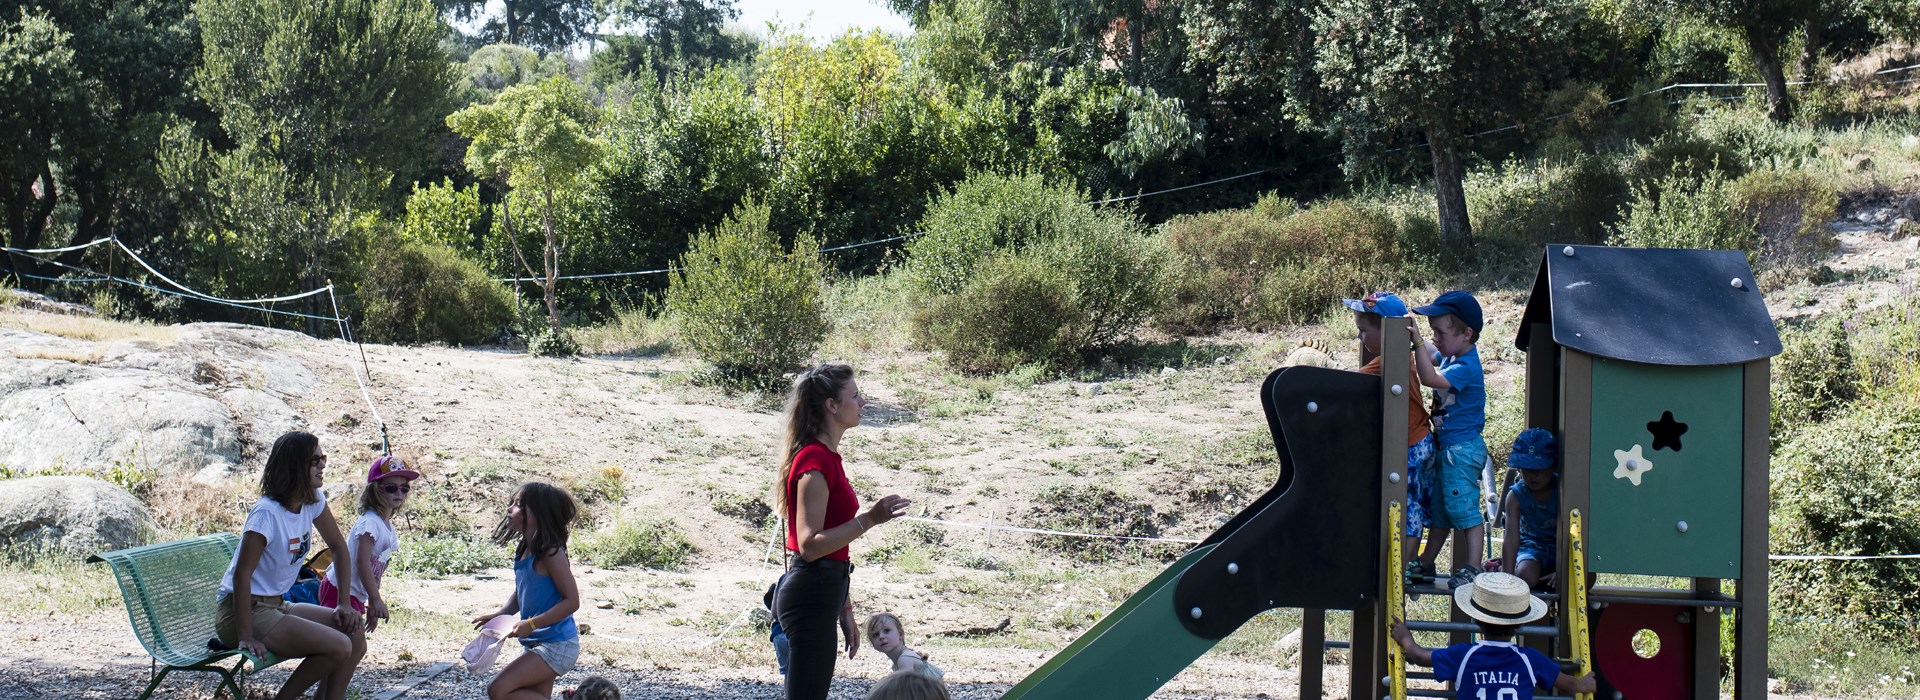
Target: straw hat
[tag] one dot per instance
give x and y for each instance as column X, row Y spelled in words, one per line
column 1499, row 599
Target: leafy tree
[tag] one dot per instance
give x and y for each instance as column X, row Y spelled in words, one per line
column 496, row 67
column 1765, row 25
column 1433, row 67
column 538, row 139
column 90, row 88
column 550, row 25
column 745, row 305
column 676, row 37
column 442, row 214
column 336, row 94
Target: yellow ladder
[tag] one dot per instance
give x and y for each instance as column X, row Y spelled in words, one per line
column 1396, row 603
column 1575, row 584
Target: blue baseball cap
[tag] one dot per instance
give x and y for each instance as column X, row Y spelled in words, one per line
column 1533, row 449
column 1383, row 304
column 1460, row 304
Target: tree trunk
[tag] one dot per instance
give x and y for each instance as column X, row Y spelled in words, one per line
column 1766, row 59
column 1810, row 45
column 1455, row 230
column 552, row 264
column 1136, row 37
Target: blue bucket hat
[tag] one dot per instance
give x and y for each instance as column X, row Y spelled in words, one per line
column 1461, row 304
column 1383, row 304
column 1533, row 449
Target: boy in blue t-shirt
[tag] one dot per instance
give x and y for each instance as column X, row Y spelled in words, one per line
column 1532, row 506
column 1494, row 668
column 1450, row 365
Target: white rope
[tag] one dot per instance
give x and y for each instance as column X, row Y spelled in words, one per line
column 42, row 251
column 351, row 367
column 156, row 273
column 1839, row 557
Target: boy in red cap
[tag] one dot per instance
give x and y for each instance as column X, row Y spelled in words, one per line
column 372, row 541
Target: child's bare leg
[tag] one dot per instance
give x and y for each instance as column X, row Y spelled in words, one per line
column 1436, row 539
column 527, row 678
column 334, row 685
column 1476, row 549
column 1528, row 570
column 322, row 647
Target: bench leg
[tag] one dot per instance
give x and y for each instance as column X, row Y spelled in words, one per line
column 155, row 683
column 235, row 680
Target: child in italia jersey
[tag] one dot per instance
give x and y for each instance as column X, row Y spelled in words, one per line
column 1494, row 668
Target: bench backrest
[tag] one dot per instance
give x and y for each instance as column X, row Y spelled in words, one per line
column 169, row 590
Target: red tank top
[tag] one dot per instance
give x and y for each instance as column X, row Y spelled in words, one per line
column 842, row 503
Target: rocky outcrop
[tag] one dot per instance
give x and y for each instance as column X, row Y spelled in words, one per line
column 199, row 401
column 75, row 515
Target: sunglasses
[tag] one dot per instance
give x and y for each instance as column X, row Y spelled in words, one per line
column 396, row 488
column 317, row 460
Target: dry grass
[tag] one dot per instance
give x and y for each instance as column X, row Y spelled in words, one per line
column 77, row 356
column 186, row 508
column 87, row 328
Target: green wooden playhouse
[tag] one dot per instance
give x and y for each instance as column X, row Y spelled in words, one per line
column 1651, row 366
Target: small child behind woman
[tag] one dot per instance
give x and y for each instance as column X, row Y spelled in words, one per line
column 372, row 541
column 886, row 635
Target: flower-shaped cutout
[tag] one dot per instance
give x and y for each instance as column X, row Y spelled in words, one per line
column 1631, row 465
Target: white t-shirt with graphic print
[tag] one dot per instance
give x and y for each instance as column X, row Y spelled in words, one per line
column 385, row 542
column 289, row 536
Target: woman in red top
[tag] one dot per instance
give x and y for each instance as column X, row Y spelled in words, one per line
column 823, row 516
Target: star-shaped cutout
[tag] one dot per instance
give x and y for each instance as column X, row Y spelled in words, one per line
column 1666, row 432
column 1632, row 465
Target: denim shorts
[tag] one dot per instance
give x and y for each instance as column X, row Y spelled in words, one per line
column 1456, row 486
column 559, row 655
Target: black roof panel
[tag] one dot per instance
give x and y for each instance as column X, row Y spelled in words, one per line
column 1660, row 306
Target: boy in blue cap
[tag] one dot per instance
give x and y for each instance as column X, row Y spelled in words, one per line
column 1532, row 506
column 1369, row 317
column 1450, row 365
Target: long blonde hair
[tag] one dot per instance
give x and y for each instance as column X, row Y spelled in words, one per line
column 805, row 416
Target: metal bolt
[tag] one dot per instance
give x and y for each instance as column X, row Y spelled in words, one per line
column 1397, row 390
column 1567, row 251
column 1313, row 407
column 1233, row 568
column 1386, row 680
column 1633, row 464
column 1393, row 477
column 1195, row 613
column 1710, row 609
column 1682, row 526
column 1737, row 284
column 1684, row 618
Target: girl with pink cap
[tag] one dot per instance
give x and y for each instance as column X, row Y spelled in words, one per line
column 372, row 541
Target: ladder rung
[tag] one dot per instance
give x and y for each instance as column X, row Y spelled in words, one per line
column 1339, row 644
column 1659, row 596
column 1435, row 626
column 1436, row 590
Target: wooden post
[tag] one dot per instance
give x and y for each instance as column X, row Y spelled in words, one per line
column 1543, row 411
column 1576, row 452
column 1750, row 620
column 1398, row 385
column 1313, row 653
column 1706, row 641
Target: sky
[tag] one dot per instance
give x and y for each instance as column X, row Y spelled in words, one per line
column 824, row 19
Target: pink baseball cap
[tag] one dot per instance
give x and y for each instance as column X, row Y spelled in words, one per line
column 389, row 465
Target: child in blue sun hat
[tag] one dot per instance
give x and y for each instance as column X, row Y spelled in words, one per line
column 1532, row 508
column 1370, row 315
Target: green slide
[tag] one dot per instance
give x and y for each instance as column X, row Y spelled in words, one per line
column 1131, row 652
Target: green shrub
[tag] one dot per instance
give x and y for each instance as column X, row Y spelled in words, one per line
column 1814, row 376
column 1887, row 347
column 1758, row 142
column 744, row 305
column 549, row 342
column 1274, row 263
column 451, row 555
column 1850, row 486
column 1679, row 153
column 1790, row 211
column 646, row 543
column 1015, row 271
column 417, row 293
column 633, row 331
column 965, row 226
column 1574, row 200
column 1016, row 311
column 1093, row 509
column 1687, row 211
column 443, row 215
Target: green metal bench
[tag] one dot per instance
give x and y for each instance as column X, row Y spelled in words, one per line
column 169, row 589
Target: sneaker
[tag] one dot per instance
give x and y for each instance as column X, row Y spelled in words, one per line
column 1462, row 577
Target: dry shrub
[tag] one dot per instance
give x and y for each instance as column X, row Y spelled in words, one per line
column 187, row 508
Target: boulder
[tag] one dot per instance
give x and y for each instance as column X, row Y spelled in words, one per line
column 75, row 515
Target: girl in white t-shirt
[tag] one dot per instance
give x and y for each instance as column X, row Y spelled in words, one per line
column 372, row 540
column 253, row 614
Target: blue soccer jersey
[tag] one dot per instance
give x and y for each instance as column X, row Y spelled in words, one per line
column 1494, row 670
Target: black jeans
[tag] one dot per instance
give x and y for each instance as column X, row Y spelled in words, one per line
column 808, row 605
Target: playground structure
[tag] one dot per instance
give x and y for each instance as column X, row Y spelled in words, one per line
column 1651, row 368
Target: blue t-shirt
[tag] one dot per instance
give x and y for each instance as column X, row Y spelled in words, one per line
column 1494, row 670
column 1539, row 520
column 1463, row 406
column 537, row 594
